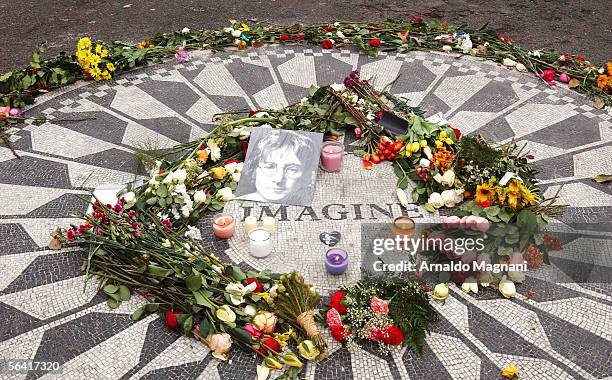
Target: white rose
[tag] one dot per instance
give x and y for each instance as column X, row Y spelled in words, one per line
column 508, row 62
column 424, row 162
column 228, row 30
column 250, row 310
column 340, row 34
column 214, row 150
column 447, row 48
column 437, row 178
column 449, row 198
column 448, row 179
column 180, row 175
column 199, row 196
column 226, row 194
column 231, row 167
column 303, row 100
column 185, row 30
column 466, row 44
column 338, row 87
column 239, row 167
column 427, row 151
column 435, row 199
column 470, row 285
column 520, row 67
column 236, row 33
column 459, row 195
column 236, row 177
column 129, row 198
column 507, row 288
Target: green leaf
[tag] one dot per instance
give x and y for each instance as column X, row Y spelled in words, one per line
column 236, row 273
column 194, row 282
column 124, row 293
column 241, row 334
column 415, row 195
column 151, row 307
column 188, row 326
column 205, row 328
column 138, row 313
column 162, row 191
column 151, row 201
column 115, row 296
column 492, row 211
column 202, row 300
column 505, row 215
column 110, row 289
column 527, row 219
column 113, row 304
column 429, row 208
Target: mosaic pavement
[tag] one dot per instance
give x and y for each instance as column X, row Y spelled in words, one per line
column 564, row 331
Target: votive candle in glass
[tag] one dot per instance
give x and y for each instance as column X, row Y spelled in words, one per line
column 250, row 223
column 260, row 242
column 224, row 226
column 332, row 155
column 269, row 224
column 403, row 226
column 336, row 261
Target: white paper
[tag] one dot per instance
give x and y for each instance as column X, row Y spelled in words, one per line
column 507, row 177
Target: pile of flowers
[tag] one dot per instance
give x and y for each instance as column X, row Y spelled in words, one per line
column 376, row 310
column 94, row 60
column 214, row 302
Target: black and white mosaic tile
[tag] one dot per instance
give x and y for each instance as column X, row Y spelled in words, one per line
column 563, row 331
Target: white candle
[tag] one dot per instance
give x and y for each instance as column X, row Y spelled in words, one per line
column 250, row 223
column 269, row 224
column 260, row 242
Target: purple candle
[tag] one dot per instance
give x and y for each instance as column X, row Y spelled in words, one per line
column 336, row 261
column 332, row 155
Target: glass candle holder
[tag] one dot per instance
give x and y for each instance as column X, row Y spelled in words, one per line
column 403, row 226
column 224, row 226
column 332, row 155
column 269, row 224
column 336, row 261
column 260, row 242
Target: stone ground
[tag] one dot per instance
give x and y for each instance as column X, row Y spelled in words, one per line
column 563, row 332
column 579, row 27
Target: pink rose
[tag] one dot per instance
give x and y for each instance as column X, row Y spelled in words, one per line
column 482, row 224
column 564, row 78
column 451, row 221
column 252, row 330
column 516, row 258
column 548, row 76
column 379, row 306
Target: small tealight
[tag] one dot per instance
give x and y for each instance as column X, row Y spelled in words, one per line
column 260, row 242
column 269, row 224
column 250, row 223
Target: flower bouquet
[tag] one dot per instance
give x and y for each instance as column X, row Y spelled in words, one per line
column 389, row 313
column 197, row 294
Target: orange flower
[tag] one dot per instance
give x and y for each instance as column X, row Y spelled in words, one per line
column 609, row 68
column 602, row 81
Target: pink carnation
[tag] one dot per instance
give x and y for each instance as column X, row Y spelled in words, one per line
column 379, row 306
column 333, row 318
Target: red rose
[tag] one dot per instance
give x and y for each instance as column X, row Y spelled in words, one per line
column 327, row 44
column 416, row 20
column 457, row 132
column 547, row 75
column 328, row 28
column 271, row 343
column 394, row 336
column 244, row 146
column 336, row 302
column 500, row 37
column 259, row 288
column 170, row 319
column 252, row 112
column 374, row 42
column 340, row 333
column 230, row 162
column 285, row 37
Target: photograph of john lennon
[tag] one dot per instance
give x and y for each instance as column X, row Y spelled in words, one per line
column 280, row 167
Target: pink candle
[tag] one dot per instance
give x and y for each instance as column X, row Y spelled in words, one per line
column 332, row 155
column 223, row 226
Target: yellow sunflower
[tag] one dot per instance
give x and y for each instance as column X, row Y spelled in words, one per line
column 602, row 81
column 484, row 193
column 528, row 196
column 513, row 199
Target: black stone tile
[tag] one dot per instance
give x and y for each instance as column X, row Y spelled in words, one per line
column 251, row 78
column 182, row 372
column 497, row 129
column 555, row 167
column 176, row 95
column 426, row 367
column 414, row 76
column 14, row 322
column 15, row 239
column 113, row 128
column 493, row 97
column 569, row 133
column 336, row 366
column 31, row 171
column 65, row 206
column 330, row 70
column 46, row 270
column 115, row 159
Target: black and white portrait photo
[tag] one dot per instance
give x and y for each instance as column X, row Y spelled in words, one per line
column 280, row 166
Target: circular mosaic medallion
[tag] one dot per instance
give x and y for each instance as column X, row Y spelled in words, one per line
column 42, row 302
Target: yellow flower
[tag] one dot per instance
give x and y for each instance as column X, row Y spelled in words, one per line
column 106, row 75
column 244, row 27
column 241, row 44
column 423, row 143
column 443, row 135
column 609, row 68
column 513, row 198
column 484, row 193
column 438, row 144
column 448, row 141
column 284, row 337
column 308, row 350
column 272, row 363
column 104, row 53
column 84, row 44
column 291, row 360
column 218, row 173
column 514, row 186
column 111, row 67
column 510, row 372
column 202, row 155
column 440, row 292
column 145, row 44
column 528, row 197
column 414, row 147
column 98, row 49
column 501, row 195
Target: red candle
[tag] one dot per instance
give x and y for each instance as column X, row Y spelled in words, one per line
column 332, row 155
column 224, row 226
